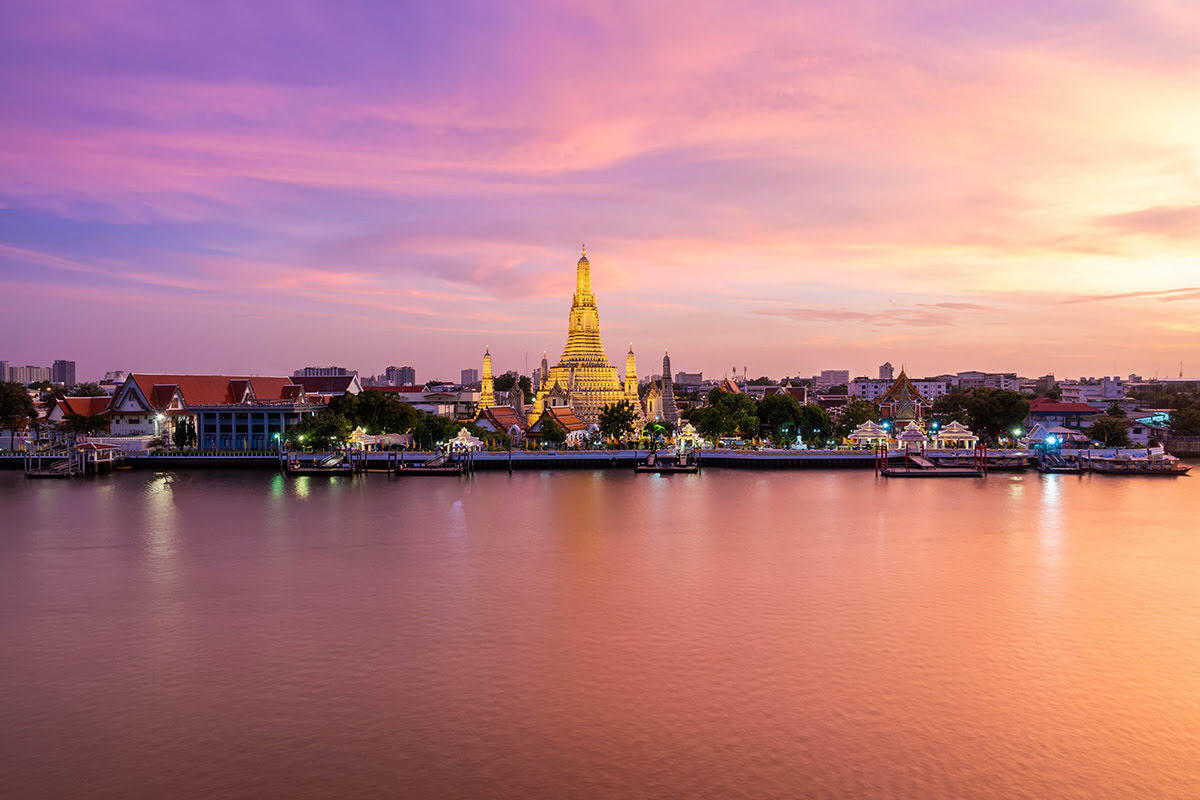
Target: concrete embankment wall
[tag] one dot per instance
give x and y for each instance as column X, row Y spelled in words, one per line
column 1183, row 446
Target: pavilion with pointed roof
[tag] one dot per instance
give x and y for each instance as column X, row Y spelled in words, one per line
column 954, row 436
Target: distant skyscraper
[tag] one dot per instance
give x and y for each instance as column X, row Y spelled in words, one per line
column 886, row 371
column 831, row 377
column 407, row 377
column 689, row 378
column 63, row 372
column 28, row 374
column 469, row 376
column 3, row 370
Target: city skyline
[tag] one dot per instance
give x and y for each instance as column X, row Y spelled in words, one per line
column 796, row 189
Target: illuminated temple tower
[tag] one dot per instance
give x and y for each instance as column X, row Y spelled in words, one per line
column 631, row 384
column 487, row 391
column 583, row 371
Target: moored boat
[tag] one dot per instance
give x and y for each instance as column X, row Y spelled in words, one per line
column 1152, row 463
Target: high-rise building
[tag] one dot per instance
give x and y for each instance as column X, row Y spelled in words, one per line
column 583, row 371
column 469, row 376
column 689, row 379
column 831, row 377
column 28, row 374
column 323, row 372
column 3, row 371
column 407, row 377
column 63, row 372
column 886, row 371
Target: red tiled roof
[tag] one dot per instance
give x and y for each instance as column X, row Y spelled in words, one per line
column 565, row 417
column 503, row 418
column 209, row 390
column 1040, row 405
column 84, row 406
column 161, row 394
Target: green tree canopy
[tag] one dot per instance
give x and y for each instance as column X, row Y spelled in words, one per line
column 320, row 431
column 504, row 383
column 780, row 414
column 816, row 426
column 617, row 420
column 727, row 414
column 1110, row 431
column 1115, row 410
column 1185, row 422
column 16, row 406
column 85, row 425
column 86, row 390
column 856, row 412
column 552, row 432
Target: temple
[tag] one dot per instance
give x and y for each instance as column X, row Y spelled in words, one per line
column 903, row 404
column 583, row 376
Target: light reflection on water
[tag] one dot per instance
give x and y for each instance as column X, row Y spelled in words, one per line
column 599, row 634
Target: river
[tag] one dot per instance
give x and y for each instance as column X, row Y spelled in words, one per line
column 579, row 634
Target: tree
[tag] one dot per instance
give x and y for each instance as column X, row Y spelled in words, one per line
column 1185, row 422
column 86, row 390
column 816, row 426
column 727, row 414
column 1054, row 392
column 838, row 389
column 1110, row 431
column 320, row 431
column 996, row 412
column 780, row 415
column 552, row 432
column 856, row 412
column 953, row 407
column 16, row 407
column 85, row 425
column 185, row 434
column 762, row 381
column 1115, row 410
column 617, row 419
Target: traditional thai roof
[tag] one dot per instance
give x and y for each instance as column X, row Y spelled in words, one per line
column 84, row 406
column 209, row 390
column 730, row 386
column 911, row 433
column 955, row 431
column 868, row 432
column 905, row 399
column 502, row 418
column 565, row 417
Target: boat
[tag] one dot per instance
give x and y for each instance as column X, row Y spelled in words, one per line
column 684, row 463
column 1154, row 462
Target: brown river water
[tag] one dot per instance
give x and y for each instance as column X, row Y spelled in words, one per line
column 737, row 634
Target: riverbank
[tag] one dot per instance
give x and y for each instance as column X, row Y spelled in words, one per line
column 583, row 459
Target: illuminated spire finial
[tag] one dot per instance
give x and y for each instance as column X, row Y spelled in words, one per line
column 583, row 250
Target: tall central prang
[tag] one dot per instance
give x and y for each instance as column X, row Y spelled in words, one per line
column 583, row 377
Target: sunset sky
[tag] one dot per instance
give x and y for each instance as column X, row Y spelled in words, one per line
column 258, row 186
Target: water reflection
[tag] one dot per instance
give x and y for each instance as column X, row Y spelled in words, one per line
column 735, row 634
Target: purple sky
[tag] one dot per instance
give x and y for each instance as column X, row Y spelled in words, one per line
column 253, row 187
